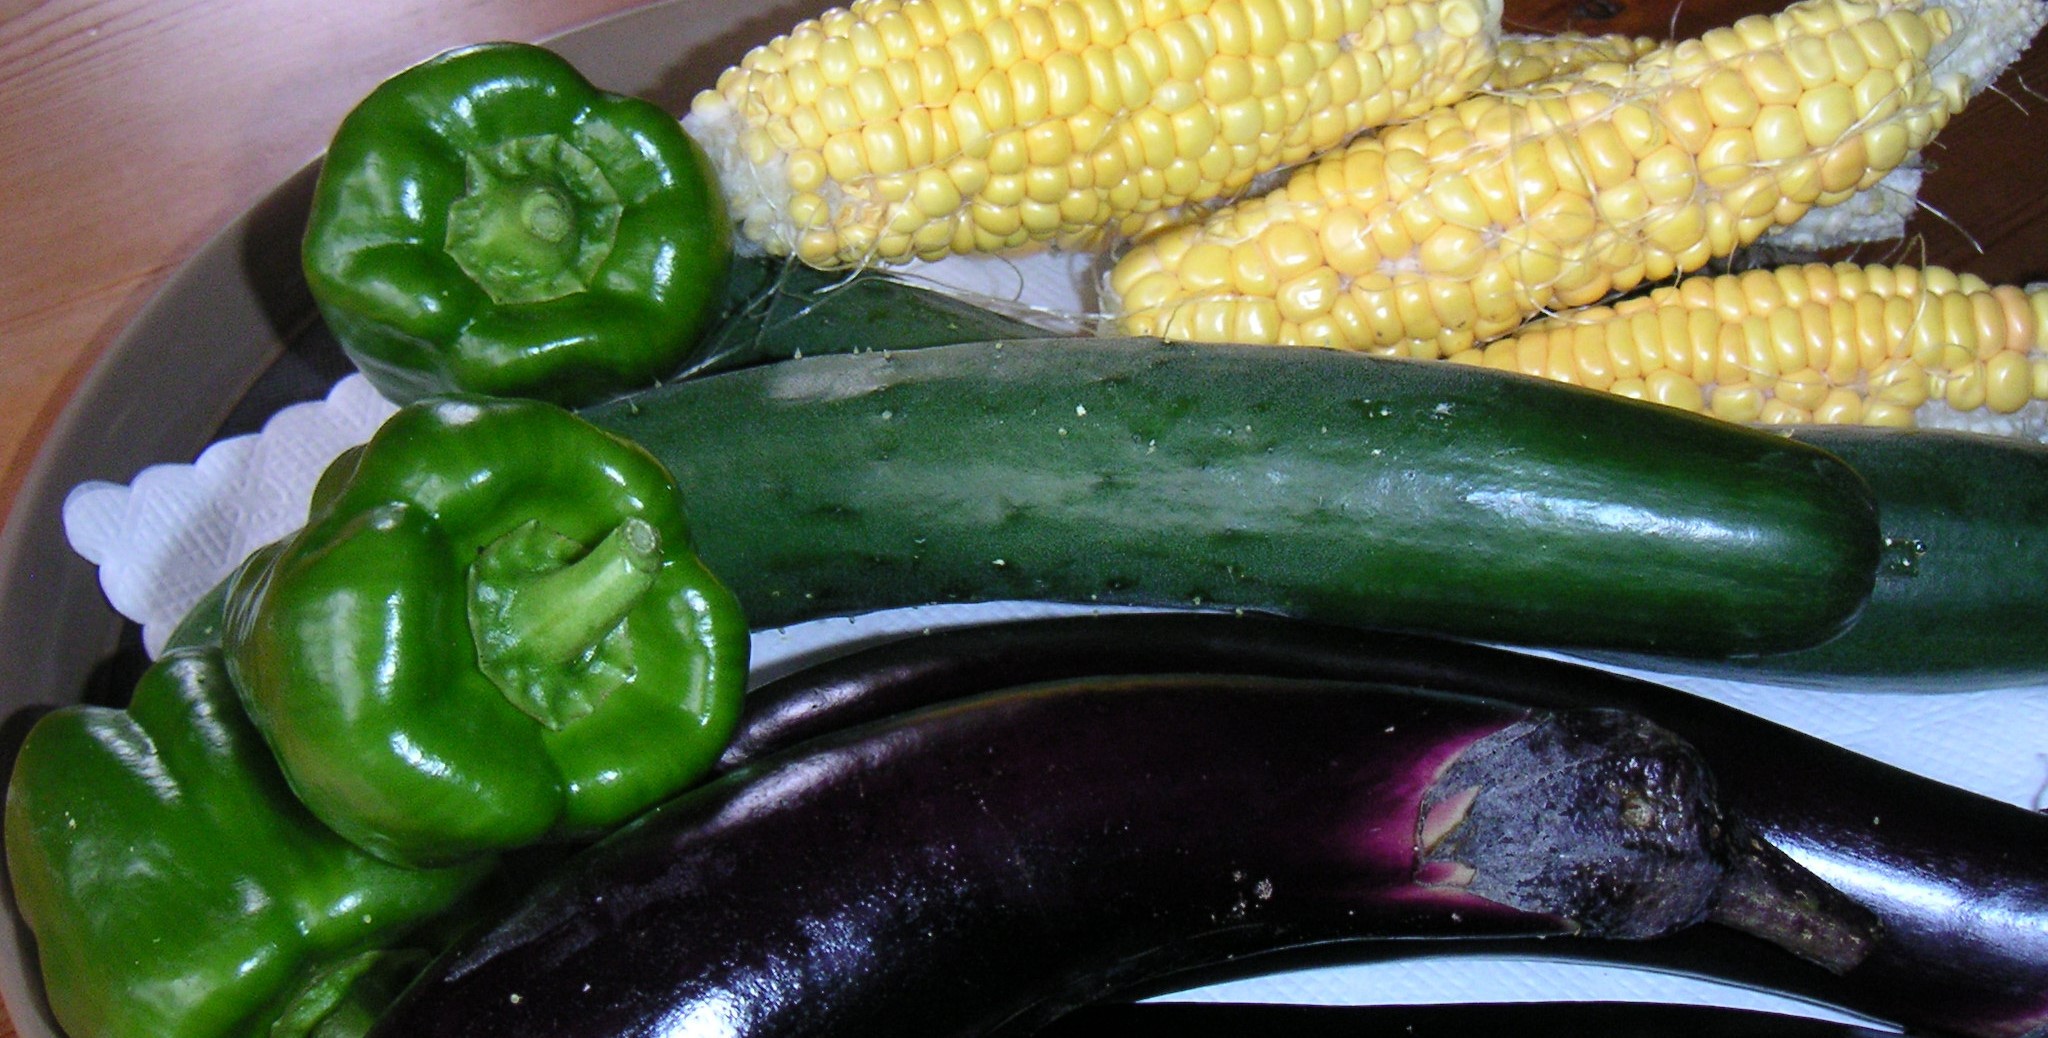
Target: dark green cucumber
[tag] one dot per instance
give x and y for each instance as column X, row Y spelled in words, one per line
column 1404, row 494
column 1961, row 600
column 776, row 309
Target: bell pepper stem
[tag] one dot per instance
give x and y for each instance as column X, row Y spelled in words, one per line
column 545, row 216
column 536, row 222
column 546, row 615
column 560, row 615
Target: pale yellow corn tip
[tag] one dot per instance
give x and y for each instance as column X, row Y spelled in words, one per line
column 1843, row 344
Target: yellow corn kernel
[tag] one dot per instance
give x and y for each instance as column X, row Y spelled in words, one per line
column 1778, row 412
column 1311, row 295
column 1686, row 118
column 1578, row 185
column 2022, row 323
column 1674, row 390
column 1780, row 136
column 1455, row 309
column 1637, row 355
column 1560, row 362
column 1804, row 388
column 1746, row 352
column 2008, row 382
column 1988, row 326
column 1453, row 252
column 1770, row 77
column 1495, row 298
column 1826, row 114
column 1256, row 323
column 1526, row 60
column 1737, row 403
column 1901, row 383
column 1963, row 388
column 1839, row 407
column 1728, row 99
column 1164, row 104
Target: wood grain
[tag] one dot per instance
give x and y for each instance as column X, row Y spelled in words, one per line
column 132, row 129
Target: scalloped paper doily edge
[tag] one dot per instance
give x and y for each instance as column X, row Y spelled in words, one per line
column 169, row 535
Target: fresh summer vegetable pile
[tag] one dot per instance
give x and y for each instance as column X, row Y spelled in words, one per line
column 507, row 629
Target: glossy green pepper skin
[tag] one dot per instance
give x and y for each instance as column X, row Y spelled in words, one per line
column 490, row 222
column 177, row 889
column 491, row 632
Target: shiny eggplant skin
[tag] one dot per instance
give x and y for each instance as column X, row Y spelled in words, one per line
column 980, row 867
column 1521, row 1019
column 1959, row 880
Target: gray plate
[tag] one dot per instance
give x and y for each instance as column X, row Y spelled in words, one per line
column 229, row 340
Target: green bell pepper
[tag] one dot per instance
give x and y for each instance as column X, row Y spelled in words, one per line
column 490, row 222
column 177, row 889
column 492, row 631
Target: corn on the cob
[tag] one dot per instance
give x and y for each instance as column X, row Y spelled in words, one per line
column 893, row 130
column 1453, row 228
column 1522, row 60
column 1815, row 343
column 1877, row 213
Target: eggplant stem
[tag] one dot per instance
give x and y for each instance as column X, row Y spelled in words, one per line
column 1766, row 894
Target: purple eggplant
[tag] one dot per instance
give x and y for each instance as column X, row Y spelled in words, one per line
column 983, row 866
column 1960, row 881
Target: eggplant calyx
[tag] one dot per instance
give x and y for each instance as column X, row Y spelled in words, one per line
column 1612, row 823
column 1594, row 816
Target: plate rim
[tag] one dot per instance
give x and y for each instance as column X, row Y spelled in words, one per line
column 662, row 50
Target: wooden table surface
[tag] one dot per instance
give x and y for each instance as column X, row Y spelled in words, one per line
column 130, row 130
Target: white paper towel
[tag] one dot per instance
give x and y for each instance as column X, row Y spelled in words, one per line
column 173, row 532
column 164, row 539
